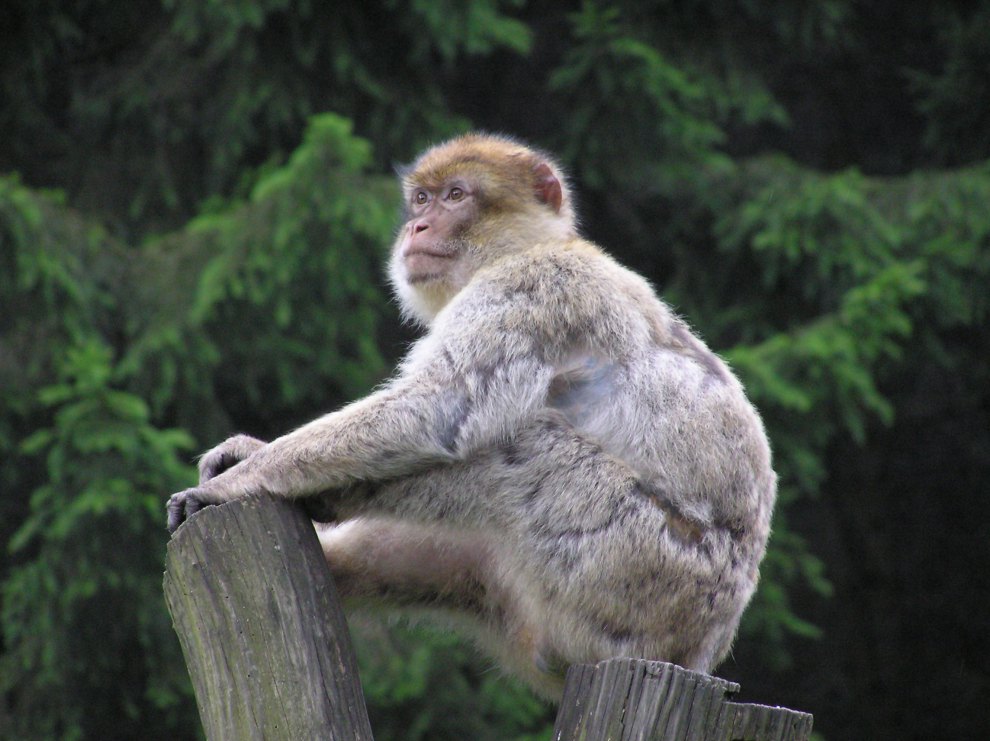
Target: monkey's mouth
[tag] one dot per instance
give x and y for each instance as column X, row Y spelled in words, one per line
column 420, row 278
column 428, row 251
column 424, row 265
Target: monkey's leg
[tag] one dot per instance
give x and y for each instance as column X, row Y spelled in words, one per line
column 559, row 548
column 380, row 559
column 407, row 563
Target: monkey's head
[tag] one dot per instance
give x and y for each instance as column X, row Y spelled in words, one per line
column 468, row 203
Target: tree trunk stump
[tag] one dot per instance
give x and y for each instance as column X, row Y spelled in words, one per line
column 637, row 700
column 259, row 620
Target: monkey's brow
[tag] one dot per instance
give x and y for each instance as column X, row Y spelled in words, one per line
column 439, row 173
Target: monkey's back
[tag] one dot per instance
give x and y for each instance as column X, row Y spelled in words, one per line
column 631, row 375
column 633, row 379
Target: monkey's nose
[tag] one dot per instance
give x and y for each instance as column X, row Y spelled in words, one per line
column 420, row 226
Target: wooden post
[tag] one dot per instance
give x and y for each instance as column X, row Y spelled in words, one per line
column 265, row 641
column 636, row 700
column 270, row 657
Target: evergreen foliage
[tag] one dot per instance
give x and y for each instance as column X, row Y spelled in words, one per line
column 196, row 199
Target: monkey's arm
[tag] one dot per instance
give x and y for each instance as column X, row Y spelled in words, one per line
column 462, row 388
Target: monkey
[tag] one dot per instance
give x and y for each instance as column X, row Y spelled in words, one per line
column 560, row 467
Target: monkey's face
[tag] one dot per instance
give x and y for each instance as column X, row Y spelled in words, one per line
column 470, row 202
column 435, row 252
column 431, row 244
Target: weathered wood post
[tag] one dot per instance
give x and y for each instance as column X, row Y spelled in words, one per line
column 269, row 652
column 261, row 627
column 636, row 700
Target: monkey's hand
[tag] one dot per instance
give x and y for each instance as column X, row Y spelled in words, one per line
column 226, row 455
column 186, row 503
column 214, row 462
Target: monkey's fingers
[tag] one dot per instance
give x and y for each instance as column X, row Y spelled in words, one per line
column 176, row 511
column 215, row 463
column 184, row 505
column 226, row 455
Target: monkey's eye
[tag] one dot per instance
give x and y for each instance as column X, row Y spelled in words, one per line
column 421, row 198
column 455, row 194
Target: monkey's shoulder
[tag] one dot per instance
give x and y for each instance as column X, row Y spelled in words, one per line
column 561, row 265
column 623, row 300
column 570, row 279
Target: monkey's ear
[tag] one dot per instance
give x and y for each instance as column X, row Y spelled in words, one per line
column 548, row 188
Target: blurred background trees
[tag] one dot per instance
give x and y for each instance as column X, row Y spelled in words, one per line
column 196, row 199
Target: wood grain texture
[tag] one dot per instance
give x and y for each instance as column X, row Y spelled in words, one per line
column 636, row 700
column 261, row 628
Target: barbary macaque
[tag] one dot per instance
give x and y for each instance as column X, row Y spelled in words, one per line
column 559, row 464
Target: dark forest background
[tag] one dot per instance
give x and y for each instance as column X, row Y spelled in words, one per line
column 196, row 199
